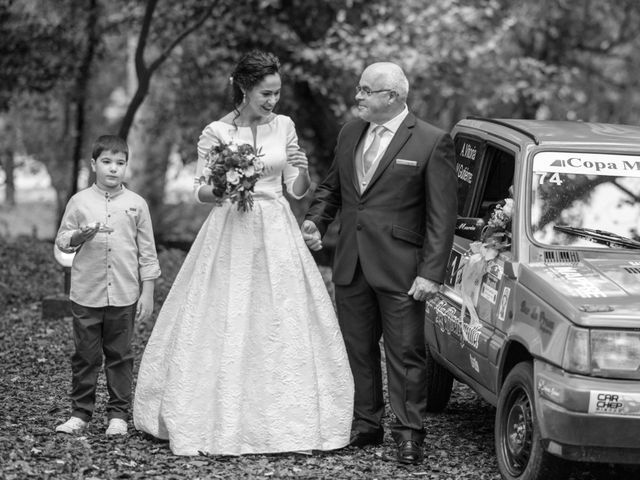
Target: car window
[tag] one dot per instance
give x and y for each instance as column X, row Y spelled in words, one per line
column 585, row 199
column 498, row 180
column 469, row 153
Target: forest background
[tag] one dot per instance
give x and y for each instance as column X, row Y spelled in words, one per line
column 156, row 72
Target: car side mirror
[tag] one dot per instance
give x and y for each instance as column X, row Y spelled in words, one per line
column 469, row 227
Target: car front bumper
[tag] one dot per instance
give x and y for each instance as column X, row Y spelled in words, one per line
column 586, row 418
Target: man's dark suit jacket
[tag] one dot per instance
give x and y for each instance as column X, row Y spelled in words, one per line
column 402, row 225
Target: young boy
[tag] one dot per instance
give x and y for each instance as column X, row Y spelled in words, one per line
column 112, row 282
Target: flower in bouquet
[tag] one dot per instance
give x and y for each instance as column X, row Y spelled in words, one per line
column 496, row 235
column 232, row 170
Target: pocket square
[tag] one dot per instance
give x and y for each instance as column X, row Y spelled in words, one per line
column 410, row 163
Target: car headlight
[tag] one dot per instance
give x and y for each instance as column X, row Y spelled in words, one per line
column 603, row 353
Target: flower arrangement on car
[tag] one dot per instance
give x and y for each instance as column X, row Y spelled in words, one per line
column 232, row 170
column 496, row 234
column 495, row 238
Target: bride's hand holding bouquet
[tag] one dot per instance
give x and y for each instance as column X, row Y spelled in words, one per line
column 233, row 170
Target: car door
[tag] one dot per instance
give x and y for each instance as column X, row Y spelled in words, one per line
column 485, row 172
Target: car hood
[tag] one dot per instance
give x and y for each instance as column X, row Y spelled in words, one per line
column 591, row 292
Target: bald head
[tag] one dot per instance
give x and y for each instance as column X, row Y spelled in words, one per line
column 382, row 92
column 392, row 76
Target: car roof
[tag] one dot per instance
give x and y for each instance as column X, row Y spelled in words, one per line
column 559, row 132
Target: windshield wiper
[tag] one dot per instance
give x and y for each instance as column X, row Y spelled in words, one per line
column 599, row 236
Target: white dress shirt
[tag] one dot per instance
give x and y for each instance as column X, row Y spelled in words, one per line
column 391, row 127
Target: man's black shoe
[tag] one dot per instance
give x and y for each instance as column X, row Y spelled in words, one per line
column 361, row 439
column 410, row 452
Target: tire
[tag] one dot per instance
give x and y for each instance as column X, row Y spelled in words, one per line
column 517, row 434
column 439, row 384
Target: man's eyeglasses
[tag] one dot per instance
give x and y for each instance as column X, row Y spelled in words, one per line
column 368, row 92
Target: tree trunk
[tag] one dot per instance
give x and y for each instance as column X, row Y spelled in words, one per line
column 81, row 92
column 134, row 105
column 145, row 71
column 156, row 173
column 8, row 166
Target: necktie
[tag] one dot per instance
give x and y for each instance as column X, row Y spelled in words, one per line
column 372, row 152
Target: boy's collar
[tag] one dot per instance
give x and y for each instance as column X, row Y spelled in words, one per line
column 104, row 193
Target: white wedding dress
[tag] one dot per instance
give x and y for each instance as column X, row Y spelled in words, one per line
column 246, row 355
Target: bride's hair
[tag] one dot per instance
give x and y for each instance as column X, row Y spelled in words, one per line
column 250, row 71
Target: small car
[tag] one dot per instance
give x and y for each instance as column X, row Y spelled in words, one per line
column 540, row 311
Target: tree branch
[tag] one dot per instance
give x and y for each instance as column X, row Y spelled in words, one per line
column 143, row 72
column 635, row 197
column 163, row 56
column 141, row 69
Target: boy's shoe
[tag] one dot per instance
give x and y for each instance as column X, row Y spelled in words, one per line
column 71, row 426
column 117, row 426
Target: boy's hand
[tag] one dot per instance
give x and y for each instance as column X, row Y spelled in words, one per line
column 85, row 233
column 144, row 308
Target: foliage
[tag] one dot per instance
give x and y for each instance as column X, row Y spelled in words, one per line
column 36, row 52
column 50, row 122
column 463, row 57
column 28, row 272
column 549, row 68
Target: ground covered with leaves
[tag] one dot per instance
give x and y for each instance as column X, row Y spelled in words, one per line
column 35, row 380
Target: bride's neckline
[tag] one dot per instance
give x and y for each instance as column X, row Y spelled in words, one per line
column 271, row 119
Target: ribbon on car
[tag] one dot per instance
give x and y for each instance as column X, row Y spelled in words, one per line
column 472, row 271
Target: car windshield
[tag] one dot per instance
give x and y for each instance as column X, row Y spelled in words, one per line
column 586, row 199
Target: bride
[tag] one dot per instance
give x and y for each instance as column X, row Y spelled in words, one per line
column 246, row 355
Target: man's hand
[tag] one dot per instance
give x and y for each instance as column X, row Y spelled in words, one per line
column 423, row 289
column 311, row 235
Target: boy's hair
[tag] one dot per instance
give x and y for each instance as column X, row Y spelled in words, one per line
column 111, row 143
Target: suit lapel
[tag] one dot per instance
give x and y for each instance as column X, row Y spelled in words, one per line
column 397, row 142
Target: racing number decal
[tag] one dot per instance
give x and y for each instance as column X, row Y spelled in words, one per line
column 555, row 178
column 452, row 268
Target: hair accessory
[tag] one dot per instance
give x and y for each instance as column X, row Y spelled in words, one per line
column 231, row 79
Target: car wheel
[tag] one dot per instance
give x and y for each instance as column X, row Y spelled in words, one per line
column 517, row 435
column 439, row 384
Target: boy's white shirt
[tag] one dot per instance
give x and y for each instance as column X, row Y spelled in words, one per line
column 108, row 269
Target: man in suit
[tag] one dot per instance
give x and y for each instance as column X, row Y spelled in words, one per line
column 393, row 180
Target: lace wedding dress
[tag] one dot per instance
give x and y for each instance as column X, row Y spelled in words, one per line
column 246, row 355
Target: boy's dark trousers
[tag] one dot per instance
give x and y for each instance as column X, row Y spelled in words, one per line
column 107, row 330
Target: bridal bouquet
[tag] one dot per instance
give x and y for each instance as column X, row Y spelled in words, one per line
column 232, row 170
